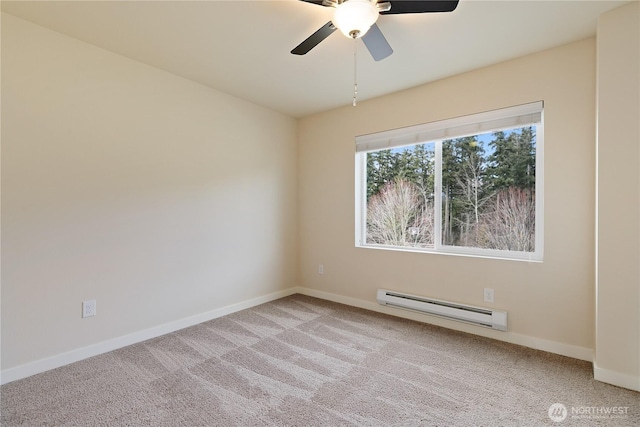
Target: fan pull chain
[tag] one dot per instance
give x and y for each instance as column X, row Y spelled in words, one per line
column 355, row 70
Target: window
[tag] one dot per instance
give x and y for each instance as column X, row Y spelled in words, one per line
column 469, row 185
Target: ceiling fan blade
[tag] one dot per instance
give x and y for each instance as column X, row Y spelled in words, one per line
column 312, row 41
column 376, row 43
column 424, row 6
column 318, row 2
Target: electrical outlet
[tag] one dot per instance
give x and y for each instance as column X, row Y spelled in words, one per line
column 320, row 269
column 89, row 308
column 488, row 295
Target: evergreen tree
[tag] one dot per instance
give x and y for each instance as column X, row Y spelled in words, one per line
column 381, row 170
column 513, row 161
column 449, row 171
column 417, row 167
column 414, row 164
column 464, row 192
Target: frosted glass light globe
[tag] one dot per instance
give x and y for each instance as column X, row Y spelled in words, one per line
column 354, row 17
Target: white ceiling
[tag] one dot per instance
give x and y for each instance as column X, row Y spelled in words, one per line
column 242, row 47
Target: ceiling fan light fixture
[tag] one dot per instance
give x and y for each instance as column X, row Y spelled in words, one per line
column 354, row 17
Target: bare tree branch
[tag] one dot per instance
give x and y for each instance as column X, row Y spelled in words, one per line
column 399, row 216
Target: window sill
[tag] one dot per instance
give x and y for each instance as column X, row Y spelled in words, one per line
column 460, row 252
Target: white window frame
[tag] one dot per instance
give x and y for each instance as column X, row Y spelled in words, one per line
column 531, row 114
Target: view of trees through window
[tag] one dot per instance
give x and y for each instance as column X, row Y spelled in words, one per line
column 487, row 197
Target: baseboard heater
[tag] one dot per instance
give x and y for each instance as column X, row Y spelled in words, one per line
column 464, row 313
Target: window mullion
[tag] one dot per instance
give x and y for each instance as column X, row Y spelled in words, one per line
column 437, row 198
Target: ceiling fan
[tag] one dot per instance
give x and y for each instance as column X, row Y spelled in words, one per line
column 357, row 18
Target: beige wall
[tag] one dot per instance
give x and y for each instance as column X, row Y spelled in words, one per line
column 156, row 196
column 549, row 302
column 617, row 355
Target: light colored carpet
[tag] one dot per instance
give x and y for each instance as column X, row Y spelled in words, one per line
column 301, row 361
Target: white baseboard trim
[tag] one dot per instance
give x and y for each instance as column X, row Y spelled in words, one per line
column 562, row 349
column 42, row 365
column 616, row 378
